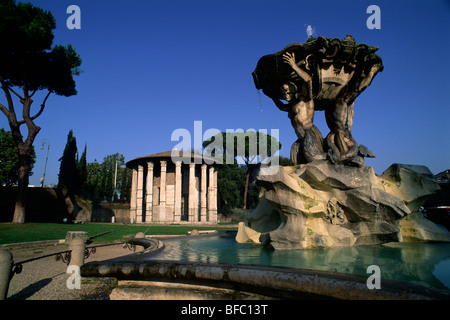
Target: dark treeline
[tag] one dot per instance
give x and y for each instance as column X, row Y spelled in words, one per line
column 107, row 181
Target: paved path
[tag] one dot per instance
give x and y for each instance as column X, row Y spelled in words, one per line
column 46, row 279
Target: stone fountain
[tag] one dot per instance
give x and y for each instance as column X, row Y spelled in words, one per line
column 329, row 197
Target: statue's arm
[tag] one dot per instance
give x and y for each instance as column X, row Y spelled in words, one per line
column 290, row 59
column 280, row 105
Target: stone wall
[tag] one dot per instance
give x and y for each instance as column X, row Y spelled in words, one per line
column 53, row 205
column 44, row 205
column 104, row 212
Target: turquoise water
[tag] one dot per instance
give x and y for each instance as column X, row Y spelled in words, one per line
column 419, row 263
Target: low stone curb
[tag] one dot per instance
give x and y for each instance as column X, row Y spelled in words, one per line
column 31, row 243
column 270, row 281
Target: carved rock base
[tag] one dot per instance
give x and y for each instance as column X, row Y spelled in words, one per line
column 319, row 205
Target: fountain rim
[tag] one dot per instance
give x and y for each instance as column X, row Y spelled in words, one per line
column 272, row 281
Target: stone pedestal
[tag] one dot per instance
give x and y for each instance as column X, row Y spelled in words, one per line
column 70, row 235
column 77, row 246
column 6, row 262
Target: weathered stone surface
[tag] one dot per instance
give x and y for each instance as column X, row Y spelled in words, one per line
column 320, row 205
column 416, row 227
column 154, row 290
column 411, row 183
column 70, row 235
column 246, row 234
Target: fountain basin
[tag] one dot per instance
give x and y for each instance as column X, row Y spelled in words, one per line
column 148, row 278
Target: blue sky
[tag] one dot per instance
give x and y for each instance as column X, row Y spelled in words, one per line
column 151, row 67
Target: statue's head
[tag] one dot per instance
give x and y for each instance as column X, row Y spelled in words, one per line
column 288, row 91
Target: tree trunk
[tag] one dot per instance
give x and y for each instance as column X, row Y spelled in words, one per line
column 22, row 188
column 246, row 188
column 24, row 147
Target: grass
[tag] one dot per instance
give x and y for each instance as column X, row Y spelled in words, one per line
column 26, row 232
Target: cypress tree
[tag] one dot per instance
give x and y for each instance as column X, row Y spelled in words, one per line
column 82, row 173
column 68, row 174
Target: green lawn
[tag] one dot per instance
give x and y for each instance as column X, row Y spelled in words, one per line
column 13, row 233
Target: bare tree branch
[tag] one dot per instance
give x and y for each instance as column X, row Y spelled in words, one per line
column 4, row 110
column 11, row 113
column 12, row 90
column 42, row 106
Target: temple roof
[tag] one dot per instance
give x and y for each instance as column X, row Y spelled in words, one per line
column 185, row 157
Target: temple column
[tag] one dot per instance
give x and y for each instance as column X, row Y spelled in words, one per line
column 139, row 193
column 178, row 186
column 149, row 198
column 215, row 196
column 133, row 196
column 210, row 193
column 203, row 194
column 162, row 192
column 192, row 194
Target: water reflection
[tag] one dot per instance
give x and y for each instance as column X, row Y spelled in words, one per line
column 419, row 263
column 442, row 272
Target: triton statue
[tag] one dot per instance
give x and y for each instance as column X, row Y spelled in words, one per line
column 321, row 74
